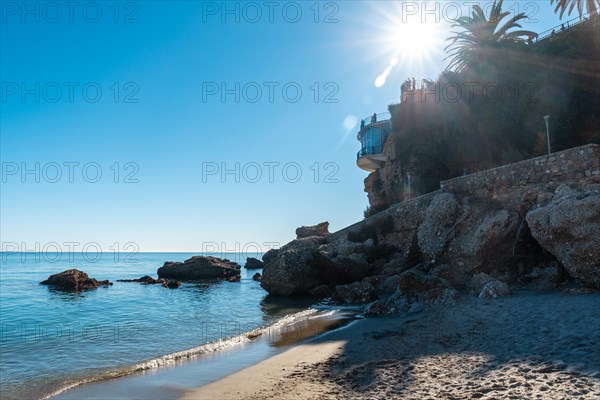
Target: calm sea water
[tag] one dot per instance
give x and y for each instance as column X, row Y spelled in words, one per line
column 51, row 339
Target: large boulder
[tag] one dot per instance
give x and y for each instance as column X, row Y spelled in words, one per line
column 293, row 269
column 398, row 231
column 303, row 264
column 73, row 279
column 342, row 269
column 199, row 268
column 471, row 236
column 568, row 226
column 321, row 229
column 438, row 227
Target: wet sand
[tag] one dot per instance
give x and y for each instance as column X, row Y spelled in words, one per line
column 172, row 380
column 529, row 346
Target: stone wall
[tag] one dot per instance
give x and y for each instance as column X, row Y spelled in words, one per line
column 577, row 166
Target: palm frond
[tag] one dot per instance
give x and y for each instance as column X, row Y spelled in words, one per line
column 479, row 32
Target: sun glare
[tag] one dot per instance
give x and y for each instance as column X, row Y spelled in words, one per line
column 414, row 39
column 410, row 44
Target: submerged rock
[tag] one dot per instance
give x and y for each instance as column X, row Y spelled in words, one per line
column 199, row 268
column 569, row 228
column 148, row 280
column 253, row 263
column 74, row 279
column 172, row 284
column 145, row 280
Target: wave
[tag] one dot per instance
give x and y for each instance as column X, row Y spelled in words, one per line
column 285, row 331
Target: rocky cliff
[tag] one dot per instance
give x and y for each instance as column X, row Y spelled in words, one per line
column 536, row 222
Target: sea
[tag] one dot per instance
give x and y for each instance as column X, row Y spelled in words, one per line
column 52, row 341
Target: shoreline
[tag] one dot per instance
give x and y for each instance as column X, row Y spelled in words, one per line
column 170, row 381
column 529, row 345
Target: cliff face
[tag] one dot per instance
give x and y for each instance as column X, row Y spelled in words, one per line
column 386, row 186
column 533, row 221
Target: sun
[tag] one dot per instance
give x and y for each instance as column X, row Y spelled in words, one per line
column 401, row 39
column 409, row 43
column 414, row 39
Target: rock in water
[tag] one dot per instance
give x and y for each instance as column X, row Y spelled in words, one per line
column 199, row 268
column 321, row 229
column 253, row 263
column 145, row 280
column 172, row 284
column 256, row 277
column 569, row 228
column 74, row 279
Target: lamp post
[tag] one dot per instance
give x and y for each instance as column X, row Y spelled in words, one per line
column 547, row 119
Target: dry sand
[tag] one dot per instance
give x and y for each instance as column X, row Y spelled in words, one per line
column 529, row 346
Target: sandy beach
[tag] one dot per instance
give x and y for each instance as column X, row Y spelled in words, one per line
column 529, row 346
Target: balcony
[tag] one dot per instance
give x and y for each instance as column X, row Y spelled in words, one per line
column 373, row 134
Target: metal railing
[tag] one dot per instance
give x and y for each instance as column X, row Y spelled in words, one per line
column 567, row 25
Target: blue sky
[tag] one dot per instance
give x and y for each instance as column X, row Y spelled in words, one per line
column 135, row 92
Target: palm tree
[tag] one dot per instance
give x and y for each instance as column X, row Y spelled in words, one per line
column 482, row 38
column 562, row 5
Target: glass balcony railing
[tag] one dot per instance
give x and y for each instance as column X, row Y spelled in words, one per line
column 368, row 151
column 373, row 134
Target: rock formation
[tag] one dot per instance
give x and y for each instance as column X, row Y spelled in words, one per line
column 532, row 224
column 321, row 229
column 148, row 280
column 568, row 226
column 74, row 279
column 199, row 268
column 253, row 263
column 292, row 270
